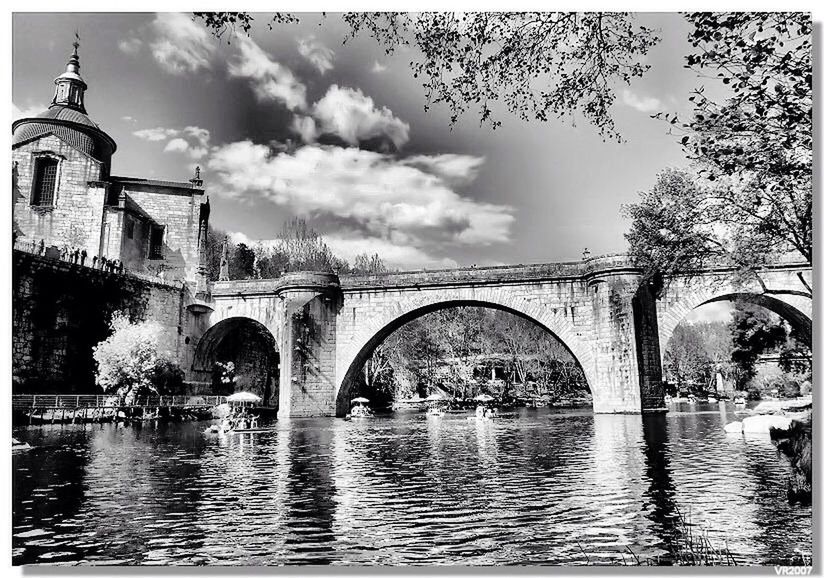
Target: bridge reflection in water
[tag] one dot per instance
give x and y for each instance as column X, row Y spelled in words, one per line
column 544, row 488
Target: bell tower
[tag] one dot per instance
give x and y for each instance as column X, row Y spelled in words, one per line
column 70, row 88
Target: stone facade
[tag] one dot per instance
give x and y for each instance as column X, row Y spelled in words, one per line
column 74, row 219
column 60, row 311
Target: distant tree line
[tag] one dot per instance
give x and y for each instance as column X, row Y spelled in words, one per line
column 297, row 247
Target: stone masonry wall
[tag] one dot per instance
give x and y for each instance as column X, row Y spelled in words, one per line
column 179, row 211
column 61, row 310
column 76, row 216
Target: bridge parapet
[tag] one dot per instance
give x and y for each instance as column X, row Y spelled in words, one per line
column 299, row 280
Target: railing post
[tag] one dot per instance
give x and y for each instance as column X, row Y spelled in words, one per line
column 34, row 401
column 77, row 402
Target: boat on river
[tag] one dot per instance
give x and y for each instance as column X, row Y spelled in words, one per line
column 435, row 403
column 18, row 446
column 359, row 409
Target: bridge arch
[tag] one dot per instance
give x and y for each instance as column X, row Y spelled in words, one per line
column 374, row 330
column 250, row 346
column 777, row 303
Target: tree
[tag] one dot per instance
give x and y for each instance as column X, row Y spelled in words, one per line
column 754, row 332
column 752, row 151
column 686, row 359
column 128, row 362
column 242, row 262
column 685, row 224
column 366, row 264
column 537, row 64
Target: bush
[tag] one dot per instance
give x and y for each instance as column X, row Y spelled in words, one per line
column 128, row 363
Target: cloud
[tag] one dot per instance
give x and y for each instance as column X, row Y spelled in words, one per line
column 192, row 141
column 375, row 192
column 455, row 169
column 180, row 45
column 319, row 55
column 156, row 134
column 377, row 67
column 130, row 45
column 394, row 256
column 270, row 80
column 641, row 103
column 29, row 111
column 352, row 116
column 129, row 119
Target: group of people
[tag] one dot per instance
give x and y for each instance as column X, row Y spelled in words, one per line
column 485, row 412
column 77, row 257
column 239, row 419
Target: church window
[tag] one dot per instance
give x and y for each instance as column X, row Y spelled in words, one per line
column 45, row 182
column 129, row 228
column 156, row 243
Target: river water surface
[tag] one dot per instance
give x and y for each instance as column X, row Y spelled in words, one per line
column 542, row 487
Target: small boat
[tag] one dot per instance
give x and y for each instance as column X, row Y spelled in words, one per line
column 359, row 409
column 18, row 446
column 740, row 401
column 712, row 400
column 434, row 412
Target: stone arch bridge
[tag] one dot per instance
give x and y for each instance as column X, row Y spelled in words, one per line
column 324, row 327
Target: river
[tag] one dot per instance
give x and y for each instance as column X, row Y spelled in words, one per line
column 541, row 487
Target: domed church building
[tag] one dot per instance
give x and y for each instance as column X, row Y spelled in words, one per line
column 66, row 200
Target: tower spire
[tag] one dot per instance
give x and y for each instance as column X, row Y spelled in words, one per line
column 70, row 88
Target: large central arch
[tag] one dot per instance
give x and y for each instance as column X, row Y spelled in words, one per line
column 250, row 346
column 368, row 336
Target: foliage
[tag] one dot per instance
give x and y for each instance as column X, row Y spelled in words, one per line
column 128, row 362
column 242, row 262
column 751, row 197
column 539, row 64
column 223, row 377
column 754, row 332
column 298, row 247
column 366, row 264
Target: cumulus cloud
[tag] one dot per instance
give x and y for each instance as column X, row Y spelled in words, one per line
column 453, row 168
column 352, row 116
column 156, row 134
column 270, row 80
column 377, row 67
column 180, row 45
column 130, row 45
column 193, row 141
column 316, row 53
column 27, row 112
column 641, row 103
column 380, row 194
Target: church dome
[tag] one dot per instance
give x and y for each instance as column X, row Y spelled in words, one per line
column 66, row 118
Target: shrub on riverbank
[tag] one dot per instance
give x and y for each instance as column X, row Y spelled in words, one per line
column 797, row 444
column 128, row 362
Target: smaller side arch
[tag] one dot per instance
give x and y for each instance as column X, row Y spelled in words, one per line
column 676, row 313
column 250, row 346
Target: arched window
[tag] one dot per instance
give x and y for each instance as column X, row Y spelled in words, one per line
column 45, row 182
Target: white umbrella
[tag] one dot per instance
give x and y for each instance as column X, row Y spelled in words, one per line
column 243, row 396
column 360, row 400
column 483, row 397
column 434, row 397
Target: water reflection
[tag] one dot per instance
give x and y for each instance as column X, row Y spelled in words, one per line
column 540, row 487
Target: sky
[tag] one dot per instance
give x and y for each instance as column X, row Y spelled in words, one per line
column 291, row 122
